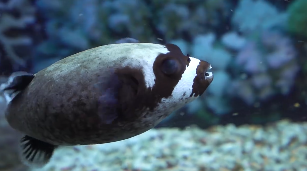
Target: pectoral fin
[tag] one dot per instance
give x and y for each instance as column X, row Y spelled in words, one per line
column 34, row 152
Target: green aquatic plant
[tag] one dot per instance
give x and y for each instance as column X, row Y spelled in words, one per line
column 297, row 22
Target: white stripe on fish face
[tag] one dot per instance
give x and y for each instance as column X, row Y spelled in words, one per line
column 181, row 94
column 184, row 87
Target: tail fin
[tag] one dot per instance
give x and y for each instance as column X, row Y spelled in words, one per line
column 17, row 82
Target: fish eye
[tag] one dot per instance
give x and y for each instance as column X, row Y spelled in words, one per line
column 170, row 66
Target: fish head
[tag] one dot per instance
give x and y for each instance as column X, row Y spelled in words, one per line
column 163, row 79
column 180, row 79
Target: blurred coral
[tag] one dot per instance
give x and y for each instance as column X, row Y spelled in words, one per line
column 269, row 64
column 96, row 22
column 12, row 42
column 91, row 23
column 233, row 41
column 257, row 15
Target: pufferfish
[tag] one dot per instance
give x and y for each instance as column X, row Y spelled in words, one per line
column 101, row 95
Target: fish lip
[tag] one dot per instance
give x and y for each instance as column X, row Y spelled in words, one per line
column 209, row 74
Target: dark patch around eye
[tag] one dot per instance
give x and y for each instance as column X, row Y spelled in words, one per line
column 170, row 66
column 164, row 85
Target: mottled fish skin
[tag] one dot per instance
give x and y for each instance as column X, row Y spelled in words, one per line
column 64, row 103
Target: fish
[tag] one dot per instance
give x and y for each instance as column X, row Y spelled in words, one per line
column 101, row 95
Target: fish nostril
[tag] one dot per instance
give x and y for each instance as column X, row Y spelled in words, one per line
column 208, row 75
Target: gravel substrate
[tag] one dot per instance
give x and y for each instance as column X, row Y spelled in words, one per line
column 277, row 147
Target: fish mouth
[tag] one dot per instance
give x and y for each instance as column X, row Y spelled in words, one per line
column 209, row 74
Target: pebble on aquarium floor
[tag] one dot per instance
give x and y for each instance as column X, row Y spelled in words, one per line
column 278, row 146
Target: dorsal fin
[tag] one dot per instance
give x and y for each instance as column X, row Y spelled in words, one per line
column 127, row 40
